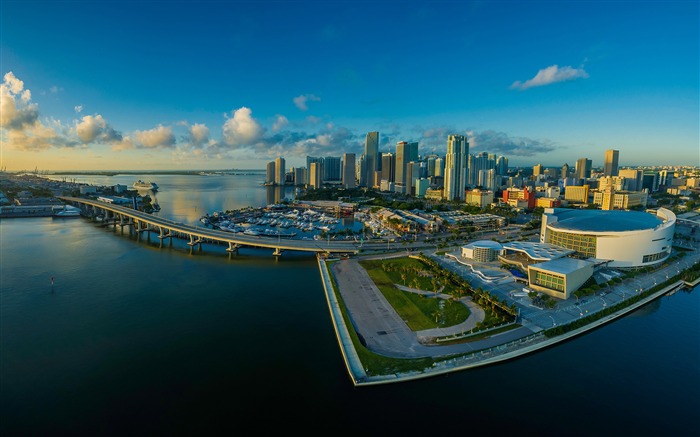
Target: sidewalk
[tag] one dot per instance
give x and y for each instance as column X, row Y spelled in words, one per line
column 477, row 315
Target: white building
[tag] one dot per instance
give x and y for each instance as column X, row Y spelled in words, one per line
column 621, row 238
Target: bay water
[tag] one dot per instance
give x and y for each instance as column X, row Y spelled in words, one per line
column 131, row 338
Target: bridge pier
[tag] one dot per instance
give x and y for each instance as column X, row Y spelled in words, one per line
column 233, row 247
column 278, row 251
column 194, row 241
column 164, row 233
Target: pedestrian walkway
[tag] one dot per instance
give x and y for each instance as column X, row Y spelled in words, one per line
column 476, row 315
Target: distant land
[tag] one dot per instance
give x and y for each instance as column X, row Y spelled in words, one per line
column 161, row 172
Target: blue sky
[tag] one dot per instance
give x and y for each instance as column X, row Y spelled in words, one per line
column 136, row 85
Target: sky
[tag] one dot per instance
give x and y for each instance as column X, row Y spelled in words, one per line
column 212, row 85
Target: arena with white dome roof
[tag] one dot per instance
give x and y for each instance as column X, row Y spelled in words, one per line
column 623, row 239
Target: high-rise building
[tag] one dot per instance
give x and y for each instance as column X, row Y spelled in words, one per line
column 565, row 171
column 270, row 173
column 611, row 158
column 279, row 171
column 300, row 177
column 583, row 168
column 371, row 158
column 349, row 170
column 481, row 161
column 439, row 167
column 316, row 175
column 332, row 169
column 388, row 167
column 405, row 153
column 537, row 170
column 633, row 178
column 413, row 172
column 309, row 161
column 456, row 167
column 501, row 166
column 487, row 179
column 431, row 165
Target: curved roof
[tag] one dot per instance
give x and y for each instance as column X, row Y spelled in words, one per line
column 485, row 244
column 538, row 251
column 595, row 220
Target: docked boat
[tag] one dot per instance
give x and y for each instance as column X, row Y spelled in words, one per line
column 278, row 234
column 141, row 185
column 67, row 211
column 251, row 232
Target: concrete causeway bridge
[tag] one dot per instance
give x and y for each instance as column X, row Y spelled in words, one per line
column 139, row 222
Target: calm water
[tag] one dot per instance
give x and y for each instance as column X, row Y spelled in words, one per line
column 133, row 339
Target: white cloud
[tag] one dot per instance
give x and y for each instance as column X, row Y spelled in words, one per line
column 300, row 101
column 95, row 129
column 549, row 75
column 90, row 127
column 280, row 123
column 199, row 134
column 242, row 129
column 34, row 139
column 160, row 136
column 78, row 109
column 16, row 113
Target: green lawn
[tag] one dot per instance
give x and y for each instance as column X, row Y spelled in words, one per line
column 418, row 311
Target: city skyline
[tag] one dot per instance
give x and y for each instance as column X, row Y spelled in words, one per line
column 216, row 85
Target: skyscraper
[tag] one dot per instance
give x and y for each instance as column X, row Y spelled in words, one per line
column 456, row 167
column 439, row 167
column 583, row 168
column 309, row 161
column 388, row 167
column 332, row 171
column 315, row 176
column 270, row 173
column 370, row 159
column 480, row 161
column 501, row 166
column 279, row 171
column 349, row 170
column 611, row 157
column 405, row 153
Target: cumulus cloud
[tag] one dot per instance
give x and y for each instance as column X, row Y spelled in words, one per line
column 19, row 120
column 198, row 134
column 34, row 139
column 242, row 129
column 301, row 101
column 160, row 136
column 96, row 130
column 280, row 123
column 16, row 109
column 549, row 75
column 502, row 144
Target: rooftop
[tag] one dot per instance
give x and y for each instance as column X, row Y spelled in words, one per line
column 562, row 266
column 595, row 220
column 538, row 251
